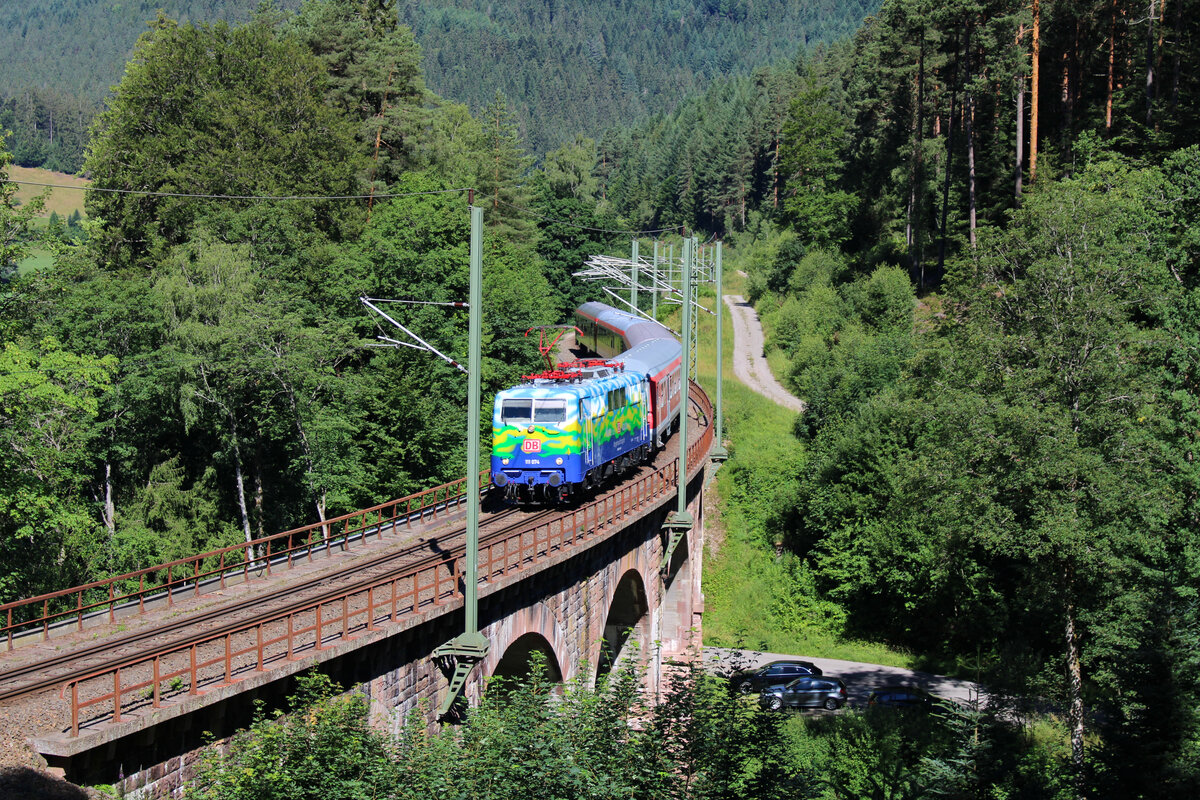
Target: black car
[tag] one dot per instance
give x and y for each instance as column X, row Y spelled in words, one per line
column 902, row 697
column 772, row 674
column 813, row 691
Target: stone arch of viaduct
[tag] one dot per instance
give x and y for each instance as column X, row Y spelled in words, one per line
column 581, row 609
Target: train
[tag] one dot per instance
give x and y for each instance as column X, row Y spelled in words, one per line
column 562, row 432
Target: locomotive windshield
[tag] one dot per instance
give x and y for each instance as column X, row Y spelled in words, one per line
column 528, row 412
column 550, row 411
column 517, row 412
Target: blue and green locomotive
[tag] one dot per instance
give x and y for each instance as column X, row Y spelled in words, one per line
column 568, row 429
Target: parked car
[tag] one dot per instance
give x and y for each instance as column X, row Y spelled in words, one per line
column 772, row 674
column 812, row 691
column 902, row 697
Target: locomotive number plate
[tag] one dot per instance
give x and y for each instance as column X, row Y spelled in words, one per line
column 531, row 446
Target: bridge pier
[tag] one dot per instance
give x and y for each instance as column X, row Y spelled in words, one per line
column 568, row 603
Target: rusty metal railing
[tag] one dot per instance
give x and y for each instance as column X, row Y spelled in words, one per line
column 240, row 650
column 171, row 578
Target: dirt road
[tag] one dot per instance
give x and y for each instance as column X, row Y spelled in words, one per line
column 749, row 365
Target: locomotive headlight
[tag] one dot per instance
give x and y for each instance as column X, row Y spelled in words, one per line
column 504, row 461
column 558, row 461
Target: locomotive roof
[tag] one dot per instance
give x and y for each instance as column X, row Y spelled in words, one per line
column 583, row 387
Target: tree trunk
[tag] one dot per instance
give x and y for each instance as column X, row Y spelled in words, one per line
column 1112, row 68
column 258, row 490
column 379, row 140
column 1065, row 101
column 969, row 116
column 913, row 234
column 319, row 494
column 779, row 136
column 1162, row 26
column 1019, row 171
column 971, row 202
column 949, row 162
column 1150, row 65
column 110, row 508
column 1074, row 684
column 240, row 481
column 1034, row 89
column 1178, row 55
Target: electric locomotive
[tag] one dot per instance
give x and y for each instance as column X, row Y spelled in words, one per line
column 566, row 430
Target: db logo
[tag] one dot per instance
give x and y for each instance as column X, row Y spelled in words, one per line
column 531, row 446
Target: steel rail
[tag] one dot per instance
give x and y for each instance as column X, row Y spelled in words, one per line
column 179, row 576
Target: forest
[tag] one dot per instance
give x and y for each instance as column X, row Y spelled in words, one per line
column 972, row 232
column 194, row 372
column 575, row 67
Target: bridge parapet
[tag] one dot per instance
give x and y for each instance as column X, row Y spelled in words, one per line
column 129, row 593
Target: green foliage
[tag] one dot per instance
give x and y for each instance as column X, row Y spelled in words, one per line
column 568, row 171
column 245, row 400
column 168, row 519
column 49, row 127
column 48, row 401
column 814, row 137
column 1018, row 475
column 526, row 739
column 325, row 748
column 251, row 102
column 529, row 739
column 374, row 78
column 846, row 341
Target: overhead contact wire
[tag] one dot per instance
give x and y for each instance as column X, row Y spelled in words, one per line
column 148, row 193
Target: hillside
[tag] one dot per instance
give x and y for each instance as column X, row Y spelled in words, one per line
column 585, row 67
column 80, row 46
column 567, row 67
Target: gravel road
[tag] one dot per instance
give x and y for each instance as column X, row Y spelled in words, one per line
column 749, row 365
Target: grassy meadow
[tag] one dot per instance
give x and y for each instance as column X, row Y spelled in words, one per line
column 64, row 202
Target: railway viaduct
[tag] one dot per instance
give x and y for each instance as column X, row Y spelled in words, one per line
column 584, row 586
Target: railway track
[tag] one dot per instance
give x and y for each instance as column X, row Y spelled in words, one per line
column 230, row 642
column 49, row 673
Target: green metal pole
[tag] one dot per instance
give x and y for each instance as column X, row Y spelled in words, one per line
column 694, row 333
column 686, row 376
column 679, row 521
column 469, row 647
column 719, row 453
column 671, row 265
column 633, row 276
column 654, row 296
column 474, row 367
